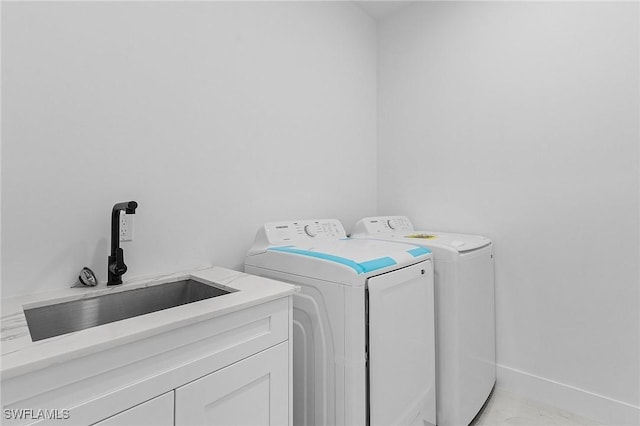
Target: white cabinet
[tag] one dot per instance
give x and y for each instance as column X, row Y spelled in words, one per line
column 156, row 412
column 253, row 391
column 233, row 369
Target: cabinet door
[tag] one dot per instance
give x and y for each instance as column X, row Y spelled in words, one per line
column 254, row 391
column 155, row 412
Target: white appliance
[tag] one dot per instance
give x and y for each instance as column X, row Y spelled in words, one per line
column 465, row 313
column 363, row 324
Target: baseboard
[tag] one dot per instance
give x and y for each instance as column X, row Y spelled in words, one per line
column 583, row 403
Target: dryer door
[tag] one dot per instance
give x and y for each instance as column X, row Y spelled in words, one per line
column 402, row 347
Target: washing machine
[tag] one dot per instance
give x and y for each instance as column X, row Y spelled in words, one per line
column 363, row 323
column 464, row 309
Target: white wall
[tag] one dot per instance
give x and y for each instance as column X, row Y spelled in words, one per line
column 214, row 116
column 514, row 120
column 520, row 121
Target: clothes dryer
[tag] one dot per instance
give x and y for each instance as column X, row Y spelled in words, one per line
column 464, row 309
column 363, row 323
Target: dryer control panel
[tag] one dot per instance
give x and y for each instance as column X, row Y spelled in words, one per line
column 283, row 233
column 383, row 225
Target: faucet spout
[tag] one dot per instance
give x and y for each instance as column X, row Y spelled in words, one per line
column 116, row 266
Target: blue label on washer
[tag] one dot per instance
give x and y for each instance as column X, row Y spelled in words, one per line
column 360, row 268
column 373, row 265
column 418, row 251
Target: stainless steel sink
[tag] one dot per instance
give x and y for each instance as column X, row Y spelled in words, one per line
column 61, row 318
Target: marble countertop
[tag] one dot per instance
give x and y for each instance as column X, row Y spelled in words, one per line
column 20, row 355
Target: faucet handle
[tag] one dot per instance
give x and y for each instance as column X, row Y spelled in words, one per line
column 116, row 265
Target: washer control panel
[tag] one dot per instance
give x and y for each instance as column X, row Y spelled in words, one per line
column 383, row 225
column 303, row 230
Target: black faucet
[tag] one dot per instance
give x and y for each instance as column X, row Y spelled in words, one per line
column 116, row 267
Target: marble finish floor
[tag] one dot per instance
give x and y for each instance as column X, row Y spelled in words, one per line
column 507, row 409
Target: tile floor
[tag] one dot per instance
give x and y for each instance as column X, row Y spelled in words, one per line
column 507, row 409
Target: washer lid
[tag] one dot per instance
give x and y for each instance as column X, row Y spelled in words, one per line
column 401, row 228
column 460, row 242
column 320, row 249
column 362, row 256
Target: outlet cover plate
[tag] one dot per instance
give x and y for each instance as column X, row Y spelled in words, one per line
column 126, row 227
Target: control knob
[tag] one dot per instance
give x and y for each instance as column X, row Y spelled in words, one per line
column 309, row 231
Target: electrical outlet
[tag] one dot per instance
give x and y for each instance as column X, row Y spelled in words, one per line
column 126, row 227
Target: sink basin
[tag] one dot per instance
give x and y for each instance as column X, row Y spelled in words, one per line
column 61, row 318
